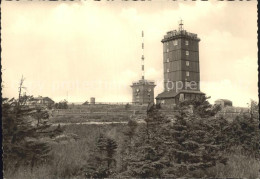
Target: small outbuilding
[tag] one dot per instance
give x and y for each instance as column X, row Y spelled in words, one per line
column 223, row 102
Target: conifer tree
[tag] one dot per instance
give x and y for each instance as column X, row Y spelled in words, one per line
column 145, row 159
column 102, row 158
column 244, row 133
column 193, row 146
column 131, row 129
column 163, row 149
column 22, row 139
column 201, row 107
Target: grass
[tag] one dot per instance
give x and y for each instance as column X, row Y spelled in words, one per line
column 90, row 118
column 69, row 160
column 41, row 172
column 238, row 166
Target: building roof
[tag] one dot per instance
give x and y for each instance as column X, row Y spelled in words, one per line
column 167, row 94
column 179, row 34
column 172, row 94
column 41, row 98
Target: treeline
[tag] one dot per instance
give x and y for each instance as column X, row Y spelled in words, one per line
column 186, row 147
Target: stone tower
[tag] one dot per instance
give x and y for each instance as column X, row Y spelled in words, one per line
column 181, row 66
column 143, row 92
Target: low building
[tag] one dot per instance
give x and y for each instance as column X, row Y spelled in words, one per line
column 42, row 101
column 223, row 102
column 172, row 97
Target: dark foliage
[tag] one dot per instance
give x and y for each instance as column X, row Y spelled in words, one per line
column 131, row 129
column 244, row 132
column 201, row 107
column 24, row 128
column 61, row 105
column 102, row 162
column 163, row 148
column 127, row 106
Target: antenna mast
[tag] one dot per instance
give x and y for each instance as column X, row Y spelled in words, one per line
column 142, row 55
column 180, row 25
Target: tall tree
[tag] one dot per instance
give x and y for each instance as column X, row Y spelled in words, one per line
column 201, row 107
column 102, row 162
column 173, row 149
column 23, row 132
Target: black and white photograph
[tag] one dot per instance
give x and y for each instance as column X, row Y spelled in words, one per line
column 129, row 89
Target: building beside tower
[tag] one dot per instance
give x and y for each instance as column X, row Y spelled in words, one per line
column 181, row 67
column 143, row 90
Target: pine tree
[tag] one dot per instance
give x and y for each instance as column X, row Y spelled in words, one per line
column 131, row 129
column 201, row 107
column 146, row 155
column 166, row 149
column 193, row 146
column 22, row 139
column 243, row 132
column 103, row 160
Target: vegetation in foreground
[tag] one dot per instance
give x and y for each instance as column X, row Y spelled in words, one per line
column 194, row 145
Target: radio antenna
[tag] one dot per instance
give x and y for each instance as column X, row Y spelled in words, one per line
column 142, row 55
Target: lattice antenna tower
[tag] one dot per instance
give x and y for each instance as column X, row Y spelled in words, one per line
column 142, row 55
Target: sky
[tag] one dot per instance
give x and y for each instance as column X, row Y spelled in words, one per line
column 81, row 49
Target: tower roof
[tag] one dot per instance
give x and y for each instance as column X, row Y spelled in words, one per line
column 143, row 82
column 174, row 34
column 181, row 33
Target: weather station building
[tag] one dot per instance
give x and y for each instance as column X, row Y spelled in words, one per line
column 180, row 66
column 143, row 90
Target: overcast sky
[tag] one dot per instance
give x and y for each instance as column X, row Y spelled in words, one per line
column 84, row 49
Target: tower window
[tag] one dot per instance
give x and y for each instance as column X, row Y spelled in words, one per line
column 175, row 42
column 167, row 60
column 187, row 63
column 186, row 42
column 187, row 53
column 187, row 73
column 167, row 50
column 168, row 70
column 167, row 43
